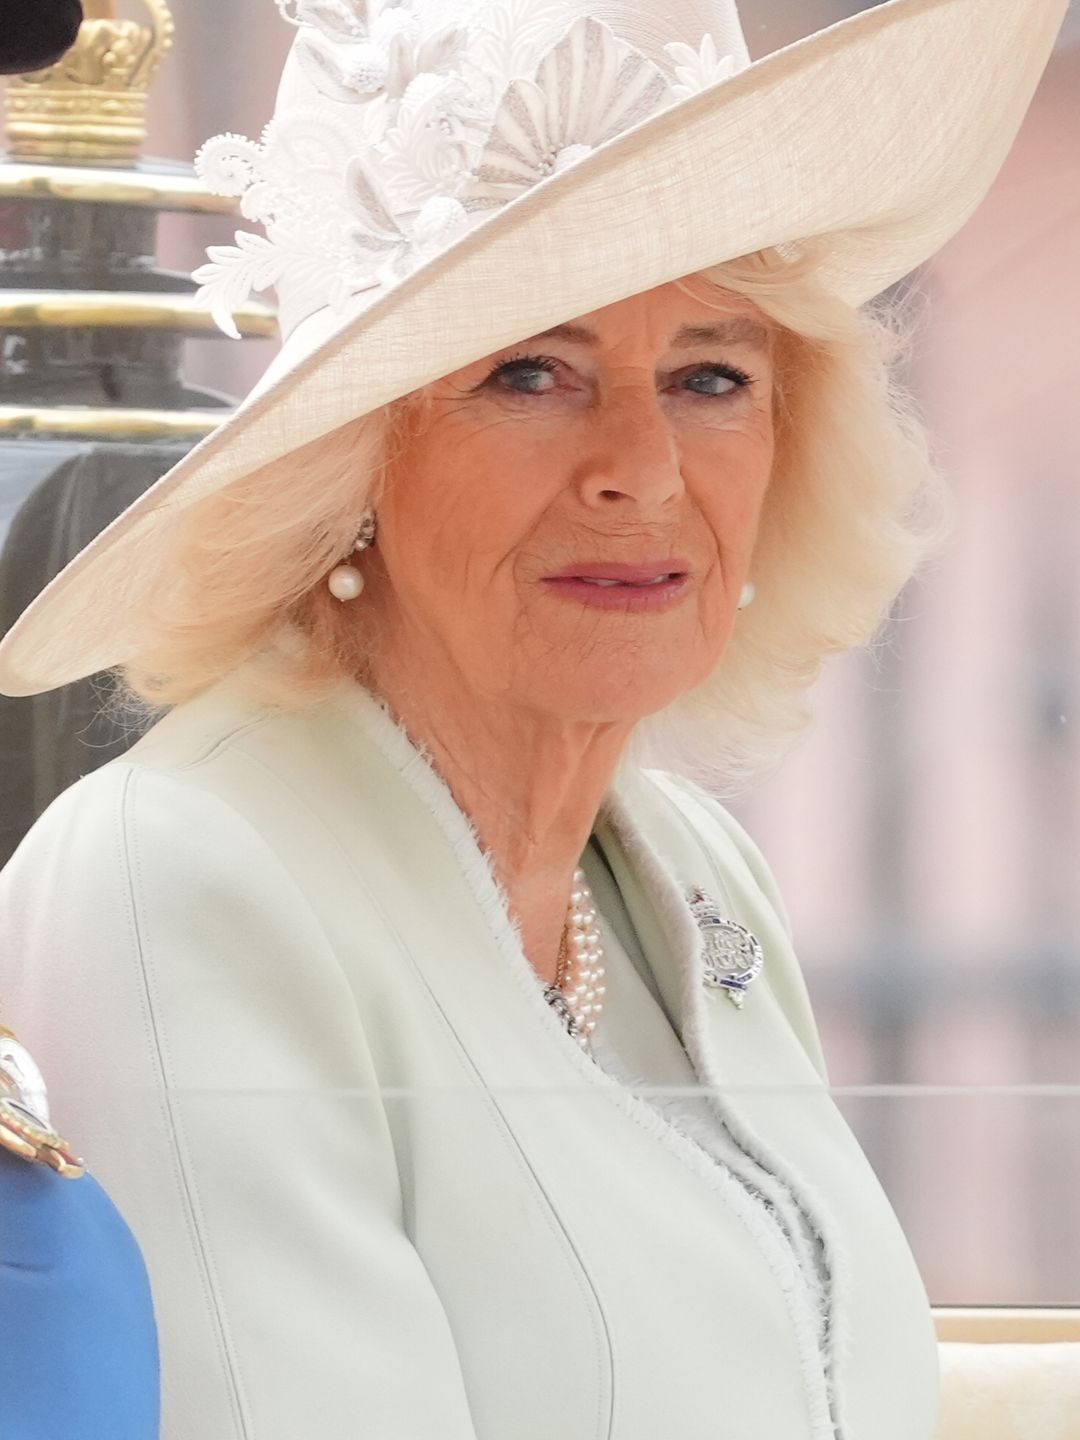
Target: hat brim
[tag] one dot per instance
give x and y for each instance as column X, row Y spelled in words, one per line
column 878, row 136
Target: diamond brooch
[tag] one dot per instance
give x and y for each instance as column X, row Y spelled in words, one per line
column 733, row 954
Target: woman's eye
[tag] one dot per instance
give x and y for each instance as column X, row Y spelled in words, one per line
column 716, row 380
column 527, row 375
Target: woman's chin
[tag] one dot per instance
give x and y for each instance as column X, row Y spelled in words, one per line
column 619, row 695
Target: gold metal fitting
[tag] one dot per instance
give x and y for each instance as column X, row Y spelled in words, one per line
column 25, row 1128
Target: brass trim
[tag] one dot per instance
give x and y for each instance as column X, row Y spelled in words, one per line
column 16, row 420
column 1007, row 1324
column 27, row 180
column 25, row 1127
column 126, row 309
column 23, row 1134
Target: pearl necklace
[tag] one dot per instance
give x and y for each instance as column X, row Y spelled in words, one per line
column 577, row 995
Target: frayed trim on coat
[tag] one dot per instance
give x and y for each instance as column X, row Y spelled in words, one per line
column 670, row 902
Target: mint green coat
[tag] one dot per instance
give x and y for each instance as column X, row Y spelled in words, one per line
column 381, row 1193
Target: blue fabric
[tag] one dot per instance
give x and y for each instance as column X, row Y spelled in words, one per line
column 78, row 1343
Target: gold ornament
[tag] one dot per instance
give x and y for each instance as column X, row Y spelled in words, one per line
column 90, row 106
column 25, row 1129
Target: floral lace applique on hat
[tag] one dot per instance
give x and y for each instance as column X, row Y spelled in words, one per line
column 411, row 137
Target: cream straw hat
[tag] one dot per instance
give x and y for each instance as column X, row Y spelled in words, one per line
column 442, row 178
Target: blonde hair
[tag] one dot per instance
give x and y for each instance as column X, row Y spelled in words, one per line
column 854, row 504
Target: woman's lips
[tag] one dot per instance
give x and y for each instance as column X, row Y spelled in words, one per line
column 630, row 596
column 620, row 570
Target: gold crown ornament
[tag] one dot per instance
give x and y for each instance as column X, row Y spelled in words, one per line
column 90, row 106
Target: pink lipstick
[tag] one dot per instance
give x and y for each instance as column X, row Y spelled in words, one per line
column 633, row 589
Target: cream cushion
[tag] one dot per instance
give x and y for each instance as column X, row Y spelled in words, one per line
column 1009, row 1391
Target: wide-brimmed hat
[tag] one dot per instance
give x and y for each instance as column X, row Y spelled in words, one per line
column 442, row 178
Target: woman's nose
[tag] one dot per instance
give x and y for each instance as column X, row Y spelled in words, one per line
column 631, row 456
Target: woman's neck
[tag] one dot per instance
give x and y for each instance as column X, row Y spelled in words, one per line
column 530, row 783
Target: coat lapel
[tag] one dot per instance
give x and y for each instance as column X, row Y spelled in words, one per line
column 761, row 1080
column 758, row 1077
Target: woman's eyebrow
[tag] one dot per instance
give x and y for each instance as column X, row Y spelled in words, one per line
column 739, row 330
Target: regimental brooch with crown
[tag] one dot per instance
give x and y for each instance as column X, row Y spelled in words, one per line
column 732, row 953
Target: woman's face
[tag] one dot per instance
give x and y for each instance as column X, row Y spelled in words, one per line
column 639, row 436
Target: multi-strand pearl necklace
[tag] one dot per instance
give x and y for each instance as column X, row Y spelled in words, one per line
column 577, row 994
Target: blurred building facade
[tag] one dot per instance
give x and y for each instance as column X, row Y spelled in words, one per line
column 926, row 833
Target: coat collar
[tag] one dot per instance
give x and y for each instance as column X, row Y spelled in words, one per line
column 657, row 855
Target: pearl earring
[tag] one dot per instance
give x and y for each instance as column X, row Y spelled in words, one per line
column 746, row 595
column 345, row 581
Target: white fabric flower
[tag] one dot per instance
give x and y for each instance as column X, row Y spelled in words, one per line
column 698, row 69
column 439, row 128
column 228, row 164
column 340, row 19
column 292, row 184
column 300, row 158
column 589, row 87
column 387, row 57
column 257, row 262
column 347, row 75
column 440, row 222
column 399, row 243
column 508, row 40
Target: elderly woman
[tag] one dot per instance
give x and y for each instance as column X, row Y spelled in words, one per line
column 436, row 1030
